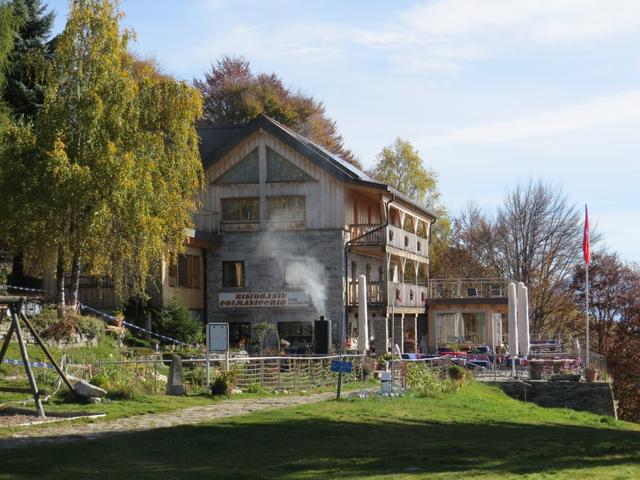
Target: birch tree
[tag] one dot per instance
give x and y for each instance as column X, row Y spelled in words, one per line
column 116, row 168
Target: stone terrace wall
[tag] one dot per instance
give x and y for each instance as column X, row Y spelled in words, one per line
column 589, row 397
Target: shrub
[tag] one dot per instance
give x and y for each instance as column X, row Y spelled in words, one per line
column 131, row 340
column 223, row 383
column 255, row 388
column 48, row 326
column 424, row 381
column 124, row 382
column 176, row 321
column 433, row 381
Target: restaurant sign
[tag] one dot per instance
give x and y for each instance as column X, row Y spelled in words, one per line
column 263, row 299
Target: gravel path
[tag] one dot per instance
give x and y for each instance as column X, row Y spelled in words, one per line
column 188, row 416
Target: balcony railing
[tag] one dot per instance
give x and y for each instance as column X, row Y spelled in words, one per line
column 467, row 288
column 406, row 295
column 379, row 235
column 403, row 240
column 398, row 294
column 375, row 294
column 367, row 234
column 206, row 220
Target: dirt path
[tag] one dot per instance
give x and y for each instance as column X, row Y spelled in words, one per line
column 188, row 416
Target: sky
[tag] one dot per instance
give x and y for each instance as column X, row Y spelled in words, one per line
column 491, row 92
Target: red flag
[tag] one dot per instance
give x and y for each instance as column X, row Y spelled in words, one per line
column 586, row 250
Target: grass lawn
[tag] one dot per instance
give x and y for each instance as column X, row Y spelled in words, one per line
column 478, row 432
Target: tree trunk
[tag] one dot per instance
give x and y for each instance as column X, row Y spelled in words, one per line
column 75, row 280
column 60, row 303
column 17, row 269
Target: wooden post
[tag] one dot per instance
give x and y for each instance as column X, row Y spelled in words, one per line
column 46, row 352
column 25, row 359
column 7, row 340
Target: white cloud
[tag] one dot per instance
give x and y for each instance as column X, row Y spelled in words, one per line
column 432, row 37
column 304, row 43
column 555, row 21
column 619, row 107
column 437, row 35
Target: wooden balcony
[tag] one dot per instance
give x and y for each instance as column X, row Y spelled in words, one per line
column 398, row 295
column 394, row 239
column 375, row 294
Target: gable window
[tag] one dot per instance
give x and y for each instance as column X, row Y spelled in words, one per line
column 233, row 274
column 245, row 171
column 279, row 169
column 241, row 209
column 286, row 209
column 185, row 273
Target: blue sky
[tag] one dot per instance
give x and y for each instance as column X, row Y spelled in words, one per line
column 490, row 91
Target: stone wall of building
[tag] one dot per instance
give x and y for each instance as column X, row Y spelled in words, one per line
column 267, row 255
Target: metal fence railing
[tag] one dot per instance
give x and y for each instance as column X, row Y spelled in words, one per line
column 492, row 367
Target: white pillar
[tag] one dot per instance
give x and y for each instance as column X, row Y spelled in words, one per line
column 513, row 319
column 363, row 323
column 523, row 319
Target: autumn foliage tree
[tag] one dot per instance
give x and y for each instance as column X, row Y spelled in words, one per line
column 623, row 363
column 105, row 179
column 233, row 93
column 613, row 292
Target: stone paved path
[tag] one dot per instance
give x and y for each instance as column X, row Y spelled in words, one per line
column 188, row 416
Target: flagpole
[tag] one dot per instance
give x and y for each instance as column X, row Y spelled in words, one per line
column 586, row 250
column 587, row 311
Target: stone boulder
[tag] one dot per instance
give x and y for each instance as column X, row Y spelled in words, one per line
column 86, row 390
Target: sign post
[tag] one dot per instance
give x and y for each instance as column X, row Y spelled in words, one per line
column 217, row 342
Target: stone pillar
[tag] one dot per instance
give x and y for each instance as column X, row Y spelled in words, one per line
column 513, row 319
column 174, row 383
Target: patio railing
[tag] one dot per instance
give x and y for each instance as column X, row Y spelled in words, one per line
column 467, row 288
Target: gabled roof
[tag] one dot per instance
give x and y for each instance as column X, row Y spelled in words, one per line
column 218, row 140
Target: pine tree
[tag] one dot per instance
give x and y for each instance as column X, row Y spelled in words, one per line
column 8, row 26
column 30, row 58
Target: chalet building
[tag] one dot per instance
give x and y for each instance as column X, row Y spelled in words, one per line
column 286, row 230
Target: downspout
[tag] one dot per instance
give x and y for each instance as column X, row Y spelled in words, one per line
column 204, row 286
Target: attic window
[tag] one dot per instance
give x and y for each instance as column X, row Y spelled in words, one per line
column 279, row 169
column 245, row 171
